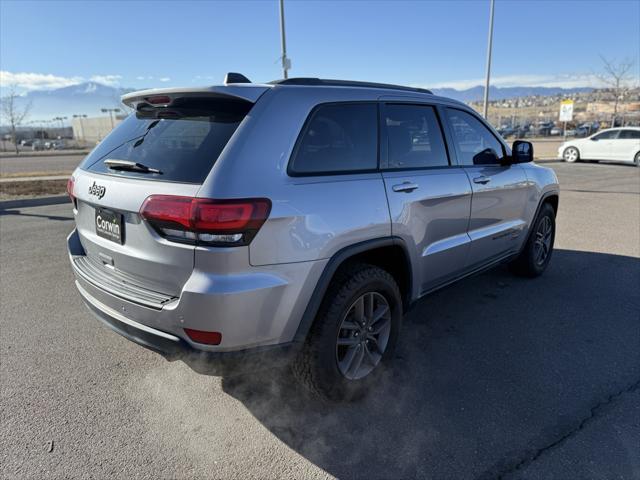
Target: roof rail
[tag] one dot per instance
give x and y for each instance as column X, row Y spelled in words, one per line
column 346, row 83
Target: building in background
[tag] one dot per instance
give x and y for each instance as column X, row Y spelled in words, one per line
column 91, row 130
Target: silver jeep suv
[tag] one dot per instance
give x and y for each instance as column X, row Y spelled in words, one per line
column 243, row 225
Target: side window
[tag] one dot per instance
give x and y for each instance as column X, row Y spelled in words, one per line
column 475, row 144
column 414, row 137
column 338, row 138
column 629, row 135
column 608, row 135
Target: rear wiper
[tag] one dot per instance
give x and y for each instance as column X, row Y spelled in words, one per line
column 115, row 164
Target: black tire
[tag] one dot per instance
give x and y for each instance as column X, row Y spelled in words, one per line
column 317, row 365
column 636, row 159
column 528, row 263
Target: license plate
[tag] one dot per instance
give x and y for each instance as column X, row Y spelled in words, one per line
column 109, row 225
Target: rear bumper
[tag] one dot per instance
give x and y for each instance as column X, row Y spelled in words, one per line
column 174, row 348
column 257, row 319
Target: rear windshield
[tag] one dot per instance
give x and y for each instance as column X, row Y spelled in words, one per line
column 182, row 141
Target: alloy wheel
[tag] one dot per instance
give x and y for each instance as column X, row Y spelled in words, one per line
column 571, row 154
column 363, row 335
column 542, row 243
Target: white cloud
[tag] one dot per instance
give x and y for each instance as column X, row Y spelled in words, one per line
column 109, row 80
column 47, row 81
column 142, row 77
column 562, row 81
column 36, row 81
column 164, row 79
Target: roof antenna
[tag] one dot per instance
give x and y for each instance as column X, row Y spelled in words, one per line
column 233, row 77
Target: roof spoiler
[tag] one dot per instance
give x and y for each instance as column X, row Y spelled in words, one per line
column 162, row 97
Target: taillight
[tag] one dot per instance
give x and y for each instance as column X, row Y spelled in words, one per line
column 70, row 185
column 206, row 221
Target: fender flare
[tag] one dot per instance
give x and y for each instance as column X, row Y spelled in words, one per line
column 338, row 259
column 543, row 198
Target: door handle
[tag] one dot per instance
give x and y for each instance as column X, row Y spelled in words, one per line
column 481, row 179
column 405, row 187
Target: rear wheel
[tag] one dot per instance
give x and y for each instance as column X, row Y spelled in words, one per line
column 535, row 256
column 354, row 335
column 571, row 154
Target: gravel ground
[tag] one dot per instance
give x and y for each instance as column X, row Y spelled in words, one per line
column 496, row 376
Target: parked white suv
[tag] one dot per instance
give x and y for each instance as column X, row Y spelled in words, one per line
column 617, row 144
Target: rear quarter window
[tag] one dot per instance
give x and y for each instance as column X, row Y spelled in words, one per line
column 337, row 138
column 182, row 141
column 629, row 135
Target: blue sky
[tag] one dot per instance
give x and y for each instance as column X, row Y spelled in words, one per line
column 46, row 44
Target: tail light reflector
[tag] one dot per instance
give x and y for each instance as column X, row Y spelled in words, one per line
column 200, row 336
column 206, row 221
column 70, row 186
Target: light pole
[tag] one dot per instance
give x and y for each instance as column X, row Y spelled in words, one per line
column 51, row 125
column 485, row 108
column 80, row 117
column 61, row 120
column 110, row 111
column 286, row 63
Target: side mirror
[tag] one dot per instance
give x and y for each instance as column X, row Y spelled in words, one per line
column 521, row 152
column 594, row 139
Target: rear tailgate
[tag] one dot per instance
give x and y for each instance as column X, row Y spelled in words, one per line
column 179, row 141
column 149, row 260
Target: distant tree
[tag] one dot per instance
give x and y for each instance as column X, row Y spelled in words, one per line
column 12, row 113
column 617, row 77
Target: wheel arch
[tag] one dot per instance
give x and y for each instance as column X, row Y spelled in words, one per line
column 389, row 253
column 552, row 198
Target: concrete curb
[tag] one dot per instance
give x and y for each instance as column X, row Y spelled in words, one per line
column 34, row 202
column 42, row 178
column 548, row 160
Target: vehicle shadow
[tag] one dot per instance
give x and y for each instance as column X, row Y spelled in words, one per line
column 487, row 371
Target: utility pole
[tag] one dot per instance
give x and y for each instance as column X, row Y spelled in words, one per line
column 485, row 108
column 110, row 111
column 286, row 63
column 81, row 130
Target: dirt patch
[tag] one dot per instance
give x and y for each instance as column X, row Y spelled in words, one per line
column 35, row 174
column 32, row 188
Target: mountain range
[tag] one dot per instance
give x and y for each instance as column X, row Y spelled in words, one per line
column 90, row 97
column 475, row 94
column 83, row 99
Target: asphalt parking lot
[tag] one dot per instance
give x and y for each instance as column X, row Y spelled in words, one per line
column 39, row 163
column 496, row 376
